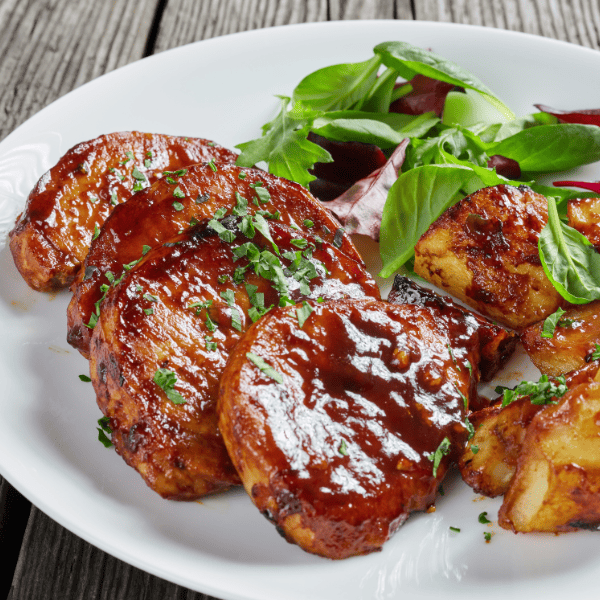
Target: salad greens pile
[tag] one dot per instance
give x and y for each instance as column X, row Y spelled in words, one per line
column 447, row 157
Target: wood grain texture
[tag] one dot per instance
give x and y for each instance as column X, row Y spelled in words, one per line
column 576, row 21
column 186, row 21
column 66, row 567
column 49, row 48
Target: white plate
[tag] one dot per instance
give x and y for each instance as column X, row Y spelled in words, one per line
column 223, row 89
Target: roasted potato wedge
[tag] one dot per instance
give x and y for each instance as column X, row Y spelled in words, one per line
column 572, row 345
column 489, row 461
column 496, row 344
column 484, row 251
column 584, row 215
column 556, row 486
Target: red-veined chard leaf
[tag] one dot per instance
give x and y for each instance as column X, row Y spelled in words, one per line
column 426, row 95
column 593, row 186
column 585, row 117
column 360, row 208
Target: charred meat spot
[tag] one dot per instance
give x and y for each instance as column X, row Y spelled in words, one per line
column 134, row 437
column 180, row 464
column 89, row 272
column 267, row 514
column 288, row 503
column 101, row 371
column 585, row 525
column 281, row 531
column 338, row 238
column 113, row 368
column 121, row 380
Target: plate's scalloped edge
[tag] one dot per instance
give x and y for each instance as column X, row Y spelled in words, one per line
column 20, row 169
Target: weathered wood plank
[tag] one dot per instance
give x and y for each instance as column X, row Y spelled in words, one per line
column 58, row 564
column 186, row 21
column 576, row 21
column 49, row 48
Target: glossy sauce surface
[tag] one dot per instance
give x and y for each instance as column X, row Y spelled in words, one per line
column 342, row 448
column 73, row 199
column 179, row 309
column 160, row 212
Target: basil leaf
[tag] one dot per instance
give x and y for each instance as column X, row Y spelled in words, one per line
column 409, row 61
column 338, row 86
column 548, row 148
column 569, row 260
column 417, row 199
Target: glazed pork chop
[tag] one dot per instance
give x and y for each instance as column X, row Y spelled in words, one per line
column 71, row 201
column 342, row 425
column 165, row 332
column 156, row 214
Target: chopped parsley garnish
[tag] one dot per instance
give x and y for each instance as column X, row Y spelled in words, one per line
column 541, row 392
column 137, row 174
column 150, row 297
column 299, row 243
column 178, row 206
column 343, row 449
column 210, row 324
column 103, row 430
column 236, row 319
column 263, row 194
column 474, row 449
column 149, row 311
column 178, row 193
column 242, row 175
column 470, row 428
column 265, row 367
column 211, row 164
column 436, row 457
column 551, row 322
column 114, row 199
column 223, row 278
column 85, row 378
column 166, row 380
column 487, row 536
column 210, row 345
column 596, row 352
column 225, row 234
column 455, row 529
column 303, row 313
column 308, row 223
column 96, row 232
column 483, row 518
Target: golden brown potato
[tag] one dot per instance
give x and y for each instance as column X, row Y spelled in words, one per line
column 572, row 345
column 584, row 215
column 169, row 206
column 557, row 483
column 71, row 201
column 490, row 458
column 489, row 461
column 179, row 313
column 484, row 251
column 496, row 344
column 337, row 427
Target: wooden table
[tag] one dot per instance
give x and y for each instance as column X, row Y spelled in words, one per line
column 48, row 48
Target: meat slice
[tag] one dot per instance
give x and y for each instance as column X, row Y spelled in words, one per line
column 484, row 251
column 171, row 205
column 342, row 425
column 165, row 332
column 71, row 201
column 496, row 344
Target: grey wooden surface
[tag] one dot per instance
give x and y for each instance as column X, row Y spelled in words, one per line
column 48, row 48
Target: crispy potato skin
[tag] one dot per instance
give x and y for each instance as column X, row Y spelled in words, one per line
column 177, row 448
column 496, row 344
column 484, row 251
column 499, row 436
column 557, row 483
column 584, row 215
column 51, row 237
column 154, row 215
column 337, row 455
column 572, row 345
